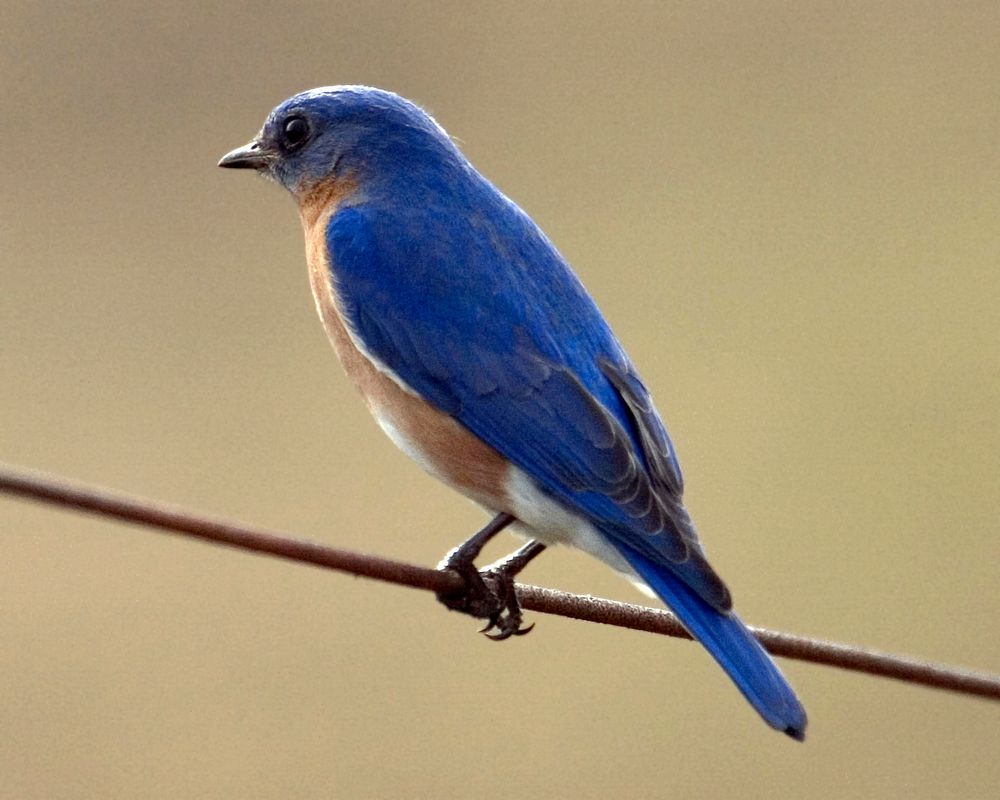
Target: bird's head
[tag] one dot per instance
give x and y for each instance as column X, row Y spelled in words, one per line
column 343, row 131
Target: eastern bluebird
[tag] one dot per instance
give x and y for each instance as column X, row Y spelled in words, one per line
column 482, row 356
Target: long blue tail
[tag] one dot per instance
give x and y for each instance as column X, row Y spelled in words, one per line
column 731, row 644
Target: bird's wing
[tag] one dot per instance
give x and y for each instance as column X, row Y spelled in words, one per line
column 554, row 395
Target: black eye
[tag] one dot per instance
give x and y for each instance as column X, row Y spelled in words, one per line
column 295, row 133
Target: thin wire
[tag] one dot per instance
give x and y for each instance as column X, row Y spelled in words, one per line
column 56, row 490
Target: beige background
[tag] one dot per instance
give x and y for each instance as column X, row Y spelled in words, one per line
column 789, row 212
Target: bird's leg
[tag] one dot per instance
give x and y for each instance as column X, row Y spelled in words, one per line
column 475, row 598
column 489, row 594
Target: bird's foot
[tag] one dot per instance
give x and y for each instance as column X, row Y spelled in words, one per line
column 489, row 594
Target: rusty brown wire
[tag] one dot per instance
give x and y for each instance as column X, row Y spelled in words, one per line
column 59, row 491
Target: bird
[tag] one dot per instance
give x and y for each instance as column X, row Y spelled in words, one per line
column 482, row 356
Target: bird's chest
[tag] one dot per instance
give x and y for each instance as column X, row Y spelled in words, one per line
column 375, row 386
column 435, row 440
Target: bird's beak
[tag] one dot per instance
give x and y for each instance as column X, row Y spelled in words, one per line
column 250, row 156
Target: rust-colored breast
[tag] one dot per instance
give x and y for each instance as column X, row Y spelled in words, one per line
column 437, row 441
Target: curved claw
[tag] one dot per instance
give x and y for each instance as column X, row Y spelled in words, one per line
column 508, row 624
column 509, row 627
column 491, row 623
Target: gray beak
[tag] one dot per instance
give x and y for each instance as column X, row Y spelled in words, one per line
column 250, row 156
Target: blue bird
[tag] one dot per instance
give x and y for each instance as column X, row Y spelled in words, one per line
column 483, row 358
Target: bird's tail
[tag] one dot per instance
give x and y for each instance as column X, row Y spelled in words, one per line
column 731, row 644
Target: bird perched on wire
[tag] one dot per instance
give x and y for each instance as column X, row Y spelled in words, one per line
column 484, row 359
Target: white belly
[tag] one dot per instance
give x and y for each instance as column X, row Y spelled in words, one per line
column 544, row 519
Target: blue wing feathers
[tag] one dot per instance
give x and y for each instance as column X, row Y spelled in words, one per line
column 525, row 378
column 546, row 384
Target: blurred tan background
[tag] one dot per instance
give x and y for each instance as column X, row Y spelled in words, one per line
column 789, row 212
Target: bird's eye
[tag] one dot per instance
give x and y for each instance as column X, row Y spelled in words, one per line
column 295, row 133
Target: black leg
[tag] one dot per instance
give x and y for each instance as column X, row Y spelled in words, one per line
column 489, row 594
column 469, row 550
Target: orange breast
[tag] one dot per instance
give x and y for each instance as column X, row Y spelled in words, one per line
column 436, row 440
